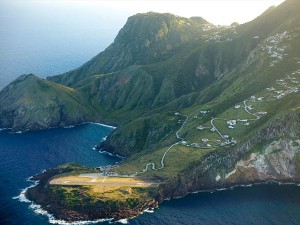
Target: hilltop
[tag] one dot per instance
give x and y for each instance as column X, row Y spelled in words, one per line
column 31, row 103
column 197, row 106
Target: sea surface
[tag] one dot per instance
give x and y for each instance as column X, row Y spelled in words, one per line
column 26, row 154
column 46, row 39
column 52, row 37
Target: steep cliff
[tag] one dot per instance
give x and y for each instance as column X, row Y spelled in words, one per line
column 271, row 154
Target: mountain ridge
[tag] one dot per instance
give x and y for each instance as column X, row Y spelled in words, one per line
column 209, row 112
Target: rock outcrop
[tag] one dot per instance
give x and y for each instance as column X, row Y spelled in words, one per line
column 272, row 154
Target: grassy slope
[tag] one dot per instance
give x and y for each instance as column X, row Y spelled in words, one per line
column 212, row 75
column 135, row 45
column 248, row 79
column 208, row 73
column 34, row 103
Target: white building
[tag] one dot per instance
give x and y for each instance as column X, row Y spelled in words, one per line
column 205, row 139
column 231, row 123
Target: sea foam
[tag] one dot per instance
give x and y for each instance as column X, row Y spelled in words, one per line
column 123, row 221
column 38, row 208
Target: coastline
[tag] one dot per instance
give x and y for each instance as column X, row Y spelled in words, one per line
column 107, row 153
column 246, row 185
column 64, row 127
column 38, row 209
column 35, row 196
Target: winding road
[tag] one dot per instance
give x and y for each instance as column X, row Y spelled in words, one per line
column 152, row 164
column 246, row 108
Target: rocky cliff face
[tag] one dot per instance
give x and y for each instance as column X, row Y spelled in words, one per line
column 278, row 161
column 250, row 162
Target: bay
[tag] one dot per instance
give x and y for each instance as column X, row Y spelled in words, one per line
column 26, row 154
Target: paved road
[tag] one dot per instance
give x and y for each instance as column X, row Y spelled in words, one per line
column 152, row 164
column 105, row 183
column 100, row 180
column 246, row 108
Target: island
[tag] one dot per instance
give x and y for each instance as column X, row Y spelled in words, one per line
column 197, row 107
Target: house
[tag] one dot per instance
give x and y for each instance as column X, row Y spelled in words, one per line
column 237, row 106
column 213, row 129
column 200, row 127
column 262, row 113
column 231, row 123
column 177, row 114
column 205, row 139
column 195, row 145
column 233, row 141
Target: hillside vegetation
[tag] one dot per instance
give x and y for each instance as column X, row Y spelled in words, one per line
column 184, row 93
column 31, row 103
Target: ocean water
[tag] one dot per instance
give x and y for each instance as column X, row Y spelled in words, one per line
column 51, row 38
column 268, row 204
column 26, row 154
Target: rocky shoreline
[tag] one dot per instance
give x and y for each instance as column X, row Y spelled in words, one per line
column 277, row 161
column 40, row 195
column 43, row 195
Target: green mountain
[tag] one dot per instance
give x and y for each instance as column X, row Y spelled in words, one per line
column 135, row 45
column 197, row 106
column 31, row 103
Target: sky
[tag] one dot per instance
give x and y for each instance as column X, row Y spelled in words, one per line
column 48, row 37
column 222, row 12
